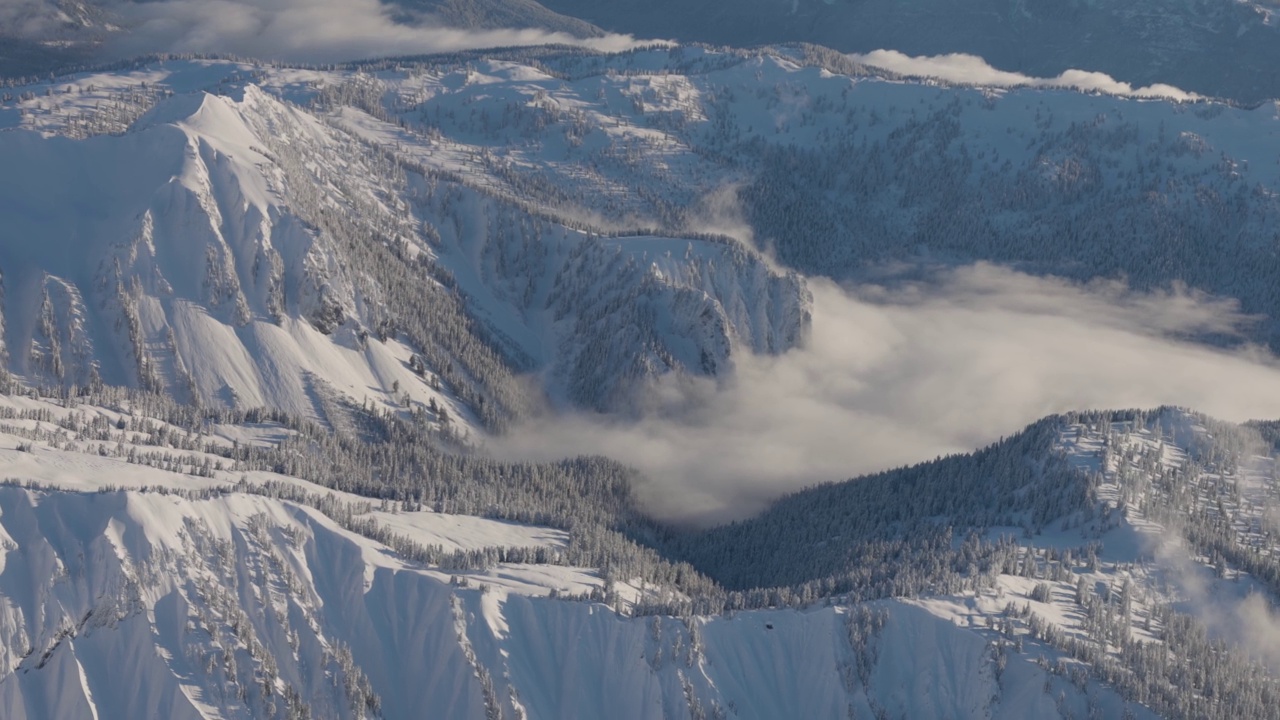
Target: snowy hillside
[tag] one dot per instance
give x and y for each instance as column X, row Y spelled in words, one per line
column 134, row 590
column 443, row 227
column 133, row 544
column 261, row 255
column 1113, row 538
column 261, row 323
column 831, row 166
column 221, row 558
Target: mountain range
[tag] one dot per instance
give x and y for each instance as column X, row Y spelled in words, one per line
column 1218, row 48
column 1222, row 48
column 269, row 331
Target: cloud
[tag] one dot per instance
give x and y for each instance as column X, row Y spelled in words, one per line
column 309, row 31
column 892, row 377
column 1233, row 609
column 973, row 70
column 23, row 18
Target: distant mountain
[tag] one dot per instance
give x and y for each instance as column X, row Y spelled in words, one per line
column 40, row 36
column 1220, row 48
column 497, row 14
column 37, row 36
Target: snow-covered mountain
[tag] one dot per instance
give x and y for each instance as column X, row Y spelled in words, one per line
column 505, row 14
column 549, row 194
column 1140, row 544
column 151, row 567
column 247, row 309
column 146, row 574
column 242, row 250
column 1222, row 48
column 838, row 169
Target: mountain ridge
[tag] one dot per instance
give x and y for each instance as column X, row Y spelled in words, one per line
column 244, row 422
column 264, row 583
column 275, row 257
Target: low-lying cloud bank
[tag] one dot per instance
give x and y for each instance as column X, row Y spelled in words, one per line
column 1238, row 612
column 23, row 18
column 895, row 377
column 312, row 31
column 973, row 70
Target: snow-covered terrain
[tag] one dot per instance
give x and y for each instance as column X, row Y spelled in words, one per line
column 1223, row 48
column 438, row 229
column 135, row 591
column 253, row 317
column 232, row 249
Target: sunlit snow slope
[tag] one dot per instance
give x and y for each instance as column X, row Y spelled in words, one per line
column 138, row 591
column 237, row 249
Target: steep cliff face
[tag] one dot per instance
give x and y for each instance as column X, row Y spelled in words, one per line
column 169, row 257
column 240, row 250
column 154, row 569
column 128, row 604
column 601, row 316
column 653, row 306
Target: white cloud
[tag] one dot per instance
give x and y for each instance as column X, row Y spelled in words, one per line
column 973, row 70
column 895, row 377
column 309, row 31
column 1233, row 610
column 24, row 18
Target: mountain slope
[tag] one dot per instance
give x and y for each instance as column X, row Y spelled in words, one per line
column 838, row 170
column 502, row 176
column 132, row 590
column 1221, row 48
column 393, row 254
column 266, row 256
column 1161, row 545
column 507, row 14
